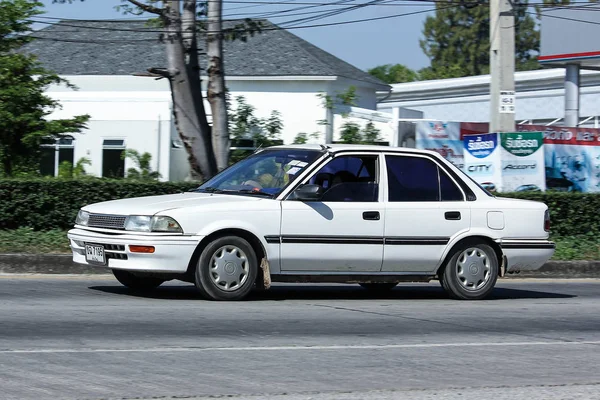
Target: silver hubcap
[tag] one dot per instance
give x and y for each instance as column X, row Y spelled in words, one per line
column 473, row 269
column 229, row 268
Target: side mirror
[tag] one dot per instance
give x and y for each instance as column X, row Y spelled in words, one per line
column 308, row 193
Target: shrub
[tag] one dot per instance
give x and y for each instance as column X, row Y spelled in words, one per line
column 44, row 204
column 571, row 214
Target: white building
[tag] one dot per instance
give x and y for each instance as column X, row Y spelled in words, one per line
column 273, row 70
column 540, row 99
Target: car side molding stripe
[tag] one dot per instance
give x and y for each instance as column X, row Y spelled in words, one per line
column 332, row 239
column 528, row 245
column 417, row 240
column 271, row 239
column 433, row 240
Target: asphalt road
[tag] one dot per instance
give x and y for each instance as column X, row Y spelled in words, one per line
column 90, row 338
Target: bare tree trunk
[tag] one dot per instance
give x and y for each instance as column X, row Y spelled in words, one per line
column 216, row 83
column 188, row 108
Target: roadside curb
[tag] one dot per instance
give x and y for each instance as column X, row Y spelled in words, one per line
column 45, row 264
column 63, row 264
column 562, row 269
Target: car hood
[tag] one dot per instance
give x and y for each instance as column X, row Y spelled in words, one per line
column 151, row 205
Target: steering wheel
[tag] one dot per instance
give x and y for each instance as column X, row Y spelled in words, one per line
column 252, row 183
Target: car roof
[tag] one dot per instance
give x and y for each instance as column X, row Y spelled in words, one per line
column 336, row 148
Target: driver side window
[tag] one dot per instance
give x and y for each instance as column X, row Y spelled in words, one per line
column 348, row 178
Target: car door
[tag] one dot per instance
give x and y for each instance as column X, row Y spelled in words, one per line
column 424, row 208
column 343, row 232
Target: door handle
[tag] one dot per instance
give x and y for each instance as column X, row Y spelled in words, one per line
column 371, row 215
column 452, row 215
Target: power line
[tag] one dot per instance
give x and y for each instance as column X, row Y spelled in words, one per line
column 98, row 41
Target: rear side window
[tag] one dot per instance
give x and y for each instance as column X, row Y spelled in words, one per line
column 419, row 179
column 412, row 179
column 448, row 189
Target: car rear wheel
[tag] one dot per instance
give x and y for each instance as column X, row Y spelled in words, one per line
column 471, row 272
column 379, row 287
column 132, row 281
column 226, row 269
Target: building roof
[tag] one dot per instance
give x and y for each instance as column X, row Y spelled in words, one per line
column 127, row 47
column 526, row 81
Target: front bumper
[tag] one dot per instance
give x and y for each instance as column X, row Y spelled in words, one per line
column 526, row 255
column 172, row 253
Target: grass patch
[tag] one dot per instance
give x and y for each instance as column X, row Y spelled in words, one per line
column 580, row 247
column 26, row 240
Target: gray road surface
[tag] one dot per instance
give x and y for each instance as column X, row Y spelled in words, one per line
column 90, row 338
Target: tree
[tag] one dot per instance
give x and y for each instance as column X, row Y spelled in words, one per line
column 142, row 161
column 456, row 40
column 181, row 22
column 397, row 73
column 23, row 82
column 244, row 125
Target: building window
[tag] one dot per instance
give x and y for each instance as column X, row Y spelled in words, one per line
column 113, row 166
column 54, row 152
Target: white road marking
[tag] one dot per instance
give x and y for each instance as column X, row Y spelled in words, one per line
column 299, row 348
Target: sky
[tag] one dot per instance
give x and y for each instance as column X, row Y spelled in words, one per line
column 366, row 44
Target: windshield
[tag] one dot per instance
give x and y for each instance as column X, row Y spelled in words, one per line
column 266, row 173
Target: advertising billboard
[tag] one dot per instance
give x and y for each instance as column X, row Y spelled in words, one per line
column 522, row 161
column 442, row 137
column 482, row 159
column 572, row 158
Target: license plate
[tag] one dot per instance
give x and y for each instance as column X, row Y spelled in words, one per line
column 94, row 254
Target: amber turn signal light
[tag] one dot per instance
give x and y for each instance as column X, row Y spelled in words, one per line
column 141, row 249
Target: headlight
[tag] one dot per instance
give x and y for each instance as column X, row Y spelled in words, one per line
column 165, row 224
column 144, row 223
column 140, row 223
column 82, row 218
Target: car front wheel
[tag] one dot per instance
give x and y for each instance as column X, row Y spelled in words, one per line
column 226, row 269
column 132, row 281
column 471, row 272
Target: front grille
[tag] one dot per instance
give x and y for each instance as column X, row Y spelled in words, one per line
column 107, row 221
column 114, row 247
column 116, row 256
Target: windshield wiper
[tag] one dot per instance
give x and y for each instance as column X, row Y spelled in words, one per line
column 210, row 190
column 254, row 191
column 233, row 191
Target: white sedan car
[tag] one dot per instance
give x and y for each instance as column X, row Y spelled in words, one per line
column 371, row 215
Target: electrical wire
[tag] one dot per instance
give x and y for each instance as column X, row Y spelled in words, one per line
column 273, row 28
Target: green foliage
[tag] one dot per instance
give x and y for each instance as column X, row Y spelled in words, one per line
column 143, row 171
column 23, row 82
column 571, row 214
column 65, row 170
column 351, row 133
column 577, row 247
column 371, row 134
column 245, row 125
column 397, row 73
column 52, row 203
column 26, row 240
column 456, row 40
column 79, row 169
column 301, row 138
column 348, row 98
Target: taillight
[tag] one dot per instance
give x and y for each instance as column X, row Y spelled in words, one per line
column 547, row 221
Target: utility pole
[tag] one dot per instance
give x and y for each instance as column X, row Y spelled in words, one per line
column 502, row 66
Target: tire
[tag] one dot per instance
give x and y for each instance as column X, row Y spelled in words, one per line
column 226, row 269
column 134, row 282
column 379, row 287
column 471, row 272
